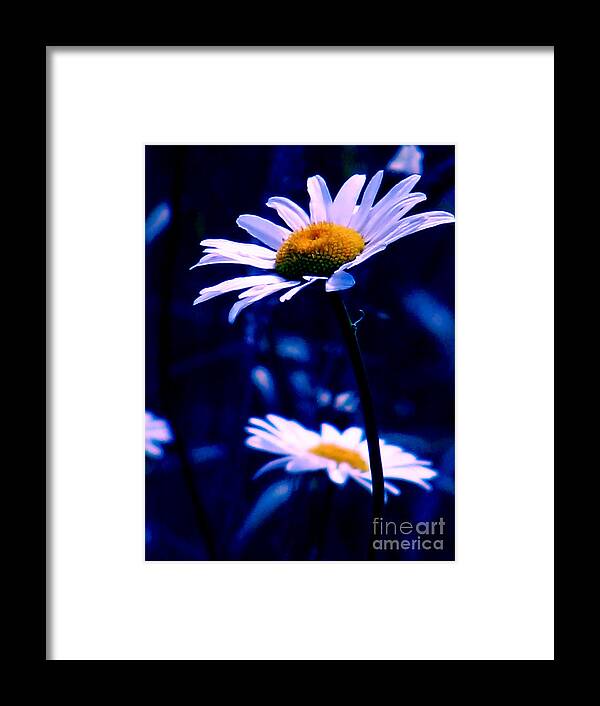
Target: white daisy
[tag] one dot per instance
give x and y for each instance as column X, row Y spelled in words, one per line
column 342, row 454
column 334, row 238
column 158, row 432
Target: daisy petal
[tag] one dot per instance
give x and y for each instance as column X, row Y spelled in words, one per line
column 369, row 195
column 262, row 444
column 414, row 474
column 214, row 258
column 407, row 226
column 277, row 463
column 286, row 445
column 395, row 456
column 236, row 283
column 387, row 217
column 230, row 246
column 288, row 295
column 267, row 232
column 366, row 482
column 306, row 462
column 365, row 255
column 422, row 221
column 289, row 428
column 259, row 289
column 288, row 211
column 330, row 434
column 243, row 303
column 336, row 474
column 352, row 437
column 339, row 280
column 343, row 206
column 320, row 199
column 396, row 193
column 359, row 478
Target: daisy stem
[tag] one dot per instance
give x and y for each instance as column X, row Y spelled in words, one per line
column 350, row 336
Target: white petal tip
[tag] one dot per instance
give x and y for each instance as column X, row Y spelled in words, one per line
column 339, row 280
column 242, row 221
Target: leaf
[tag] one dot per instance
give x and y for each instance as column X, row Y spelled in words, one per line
column 273, row 498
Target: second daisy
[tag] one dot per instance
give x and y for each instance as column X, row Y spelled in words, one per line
column 343, row 455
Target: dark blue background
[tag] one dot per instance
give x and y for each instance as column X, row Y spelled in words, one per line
column 207, row 377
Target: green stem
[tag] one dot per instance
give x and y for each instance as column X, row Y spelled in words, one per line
column 376, row 467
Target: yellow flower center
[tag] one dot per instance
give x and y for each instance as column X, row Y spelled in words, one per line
column 333, row 452
column 319, row 249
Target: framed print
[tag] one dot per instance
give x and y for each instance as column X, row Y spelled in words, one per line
column 301, row 353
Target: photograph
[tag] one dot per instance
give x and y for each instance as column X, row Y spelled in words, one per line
column 299, row 343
